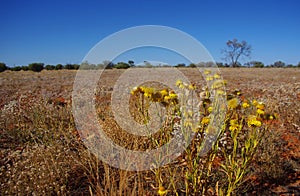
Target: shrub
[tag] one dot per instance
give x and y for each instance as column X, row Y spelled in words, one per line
column 180, row 65
column 71, row 66
column 3, row 67
column 87, row 66
column 192, row 65
column 122, row 65
column 49, row 67
column 25, row 68
column 58, row 67
column 16, row 68
column 36, row 67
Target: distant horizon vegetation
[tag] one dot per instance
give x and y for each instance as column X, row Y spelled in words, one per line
column 37, row 67
column 233, row 52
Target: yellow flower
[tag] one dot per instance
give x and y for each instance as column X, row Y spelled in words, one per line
column 217, row 76
column 192, row 86
column 206, row 72
column 167, row 98
column 181, row 86
column 233, row 128
column 218, row 84
column 254, row 102
column 252, row 121
column 260, row 112
column 147, row 91
column 164, row 92
column 172, row 95
column 220, row 92
column 233, row 122
column 142, row 89
column 205, row 120
column 260, row 106
column 178, row 83
column 233, row 125
column 209, row 78
column 256, row 123
column 210, row 109
column 161, row 191
column 233, row 103
column 245, row 105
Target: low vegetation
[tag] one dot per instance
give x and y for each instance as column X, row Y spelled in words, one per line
column 256, row 152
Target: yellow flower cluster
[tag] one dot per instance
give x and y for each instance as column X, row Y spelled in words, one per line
column 234, row 125
column 147, row 91
column 254, row 102
column 260, row 107
column 209, row 78
column 233, row 103
column 240, row 109
column 220, row 92
column 218, row 84
column 253, row 121
column 245, row 105
column 217, row 76
column 183, row 85
column 205, row 120
column 165, row 95
column 207, row 71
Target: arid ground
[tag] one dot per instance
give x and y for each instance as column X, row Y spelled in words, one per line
column 36, row 118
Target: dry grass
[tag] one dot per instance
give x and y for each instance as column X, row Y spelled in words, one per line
column 41, row 152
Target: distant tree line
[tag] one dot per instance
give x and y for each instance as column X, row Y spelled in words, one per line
column 233, row 51
column 37, row 67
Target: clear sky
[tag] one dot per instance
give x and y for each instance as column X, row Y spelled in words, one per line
column 57, row 31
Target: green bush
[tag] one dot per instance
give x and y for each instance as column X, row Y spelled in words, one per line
column 3, row 67
column 25, row 68
column 16, row 68
column 49, row 67
column 36, row 67
column 122, row 65
column 58, row 67
column 71, row 66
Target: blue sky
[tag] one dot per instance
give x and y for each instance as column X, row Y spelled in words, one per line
column 64, row 31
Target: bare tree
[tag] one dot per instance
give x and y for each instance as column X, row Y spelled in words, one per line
column 235, row 50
